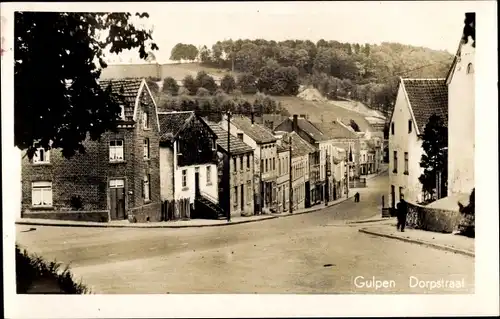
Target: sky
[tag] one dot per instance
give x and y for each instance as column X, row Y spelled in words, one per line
column 433, row 24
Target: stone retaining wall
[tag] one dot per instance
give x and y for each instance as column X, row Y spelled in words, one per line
column 150, row 212
column 432, row 219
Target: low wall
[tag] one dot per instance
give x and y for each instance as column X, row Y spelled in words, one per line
column 150, row 212
column 86, row 216
column 432, row 219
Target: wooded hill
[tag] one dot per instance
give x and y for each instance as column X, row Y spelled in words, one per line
column 364, row 72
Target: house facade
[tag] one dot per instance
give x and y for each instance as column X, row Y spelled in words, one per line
column 188, row 158
column 263, row 142
column 461, row 128
column 116, row 178
column 417, row 100
column 283, row 179
column 236, row 174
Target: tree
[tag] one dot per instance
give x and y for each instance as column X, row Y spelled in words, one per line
column 170, row 86
column 54, row 54
column 435, row 157
column 190, row 84
column 205, row 55
column 202, row 92
column 228, row 84
column 247, row 83
column 206, row 81
column 183, row 51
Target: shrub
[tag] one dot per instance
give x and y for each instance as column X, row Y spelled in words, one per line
column 228, row 84
column 170, row 86
column 31, row 268
column 467, row 225
column 247, row 83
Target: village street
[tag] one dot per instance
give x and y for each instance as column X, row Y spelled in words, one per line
column 310, row 253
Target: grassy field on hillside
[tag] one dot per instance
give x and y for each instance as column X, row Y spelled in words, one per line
column 179, row 71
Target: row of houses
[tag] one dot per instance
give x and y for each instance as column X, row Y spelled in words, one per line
column 451, row 98
column 234, row 166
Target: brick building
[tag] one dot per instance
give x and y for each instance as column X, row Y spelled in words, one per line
column 117, row 177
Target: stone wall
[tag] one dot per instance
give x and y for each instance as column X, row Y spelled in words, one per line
column 150, row 212
column 84, row 216
column 432, row 219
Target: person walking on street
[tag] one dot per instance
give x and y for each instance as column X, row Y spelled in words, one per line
column 402, row 211
column 356, row 197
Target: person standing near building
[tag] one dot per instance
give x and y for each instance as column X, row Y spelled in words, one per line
column 402, row 211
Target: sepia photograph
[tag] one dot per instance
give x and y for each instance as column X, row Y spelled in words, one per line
column 311, row 149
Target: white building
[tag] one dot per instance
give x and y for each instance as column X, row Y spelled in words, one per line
column 461, row 107
column 416, row 101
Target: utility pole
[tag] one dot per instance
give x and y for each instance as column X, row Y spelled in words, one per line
column 229, row 165
column 290, row 189
column 347, row 179
column 326, row 178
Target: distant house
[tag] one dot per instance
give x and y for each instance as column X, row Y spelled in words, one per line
column 236, row 175
column 115, row 179
column 283, row 179
column 263, row 142
column 417, row 100
column 461, row 108
column 188, row 162
column 301, row 151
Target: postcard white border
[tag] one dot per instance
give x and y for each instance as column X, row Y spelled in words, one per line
column 483, row 302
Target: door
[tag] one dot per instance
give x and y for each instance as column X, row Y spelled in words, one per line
column 242, row 198
column 117, row 199
column 393, row 196
column 197, row 184
column 308, row 195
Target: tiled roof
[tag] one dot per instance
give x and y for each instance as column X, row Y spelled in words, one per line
column 283, row 146
column 171, row 123
column 237, row 145
column 427, row 97
column 335, row 130
column 300, row 147
column 125, row 91
column 257, row 132
column 308, row 127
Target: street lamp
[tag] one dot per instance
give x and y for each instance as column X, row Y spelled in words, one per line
column 229, row 164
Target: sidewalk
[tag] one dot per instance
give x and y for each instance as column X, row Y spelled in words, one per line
column 175, row 224
column 448, row 242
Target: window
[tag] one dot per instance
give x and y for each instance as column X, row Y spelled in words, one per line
column 145, row 120
column 470, row 68
column 146, row 190
column 261, row 165
column 279, row 166
column 267, row 167
column 409, row 126
column 241, row 163
column 146, row 148
column 122, row 112
column 392, row 128
column 406, row 163
column 184, row 178
column 116, row 150
column 401, row 193
column 179, row 148
column 248, row 161
column 274, row 164
column 395, row 169
column 209, row 175
column 234, row 164
column 235, row 197
column 41, row 194
column 240, row 136
column 41, row 156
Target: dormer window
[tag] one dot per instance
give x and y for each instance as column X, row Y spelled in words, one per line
column 470, row 68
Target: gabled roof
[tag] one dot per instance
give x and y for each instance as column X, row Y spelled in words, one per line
column 300, row 147
column 335, row 130
column 237, row 145
column 257, row 132
column 125, row 92
column 172, row 123
column 425, row 98
column 309, row 128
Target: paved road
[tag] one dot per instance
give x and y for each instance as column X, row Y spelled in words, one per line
column 310, row 253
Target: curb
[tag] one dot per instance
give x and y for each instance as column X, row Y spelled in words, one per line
column 107, row 225
column 420, row 242
column 368, row 221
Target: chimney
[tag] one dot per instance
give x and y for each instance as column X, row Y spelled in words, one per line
column 295, row 123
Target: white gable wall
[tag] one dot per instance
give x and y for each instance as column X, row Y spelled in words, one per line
column 402, row 142
column 461, row 138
